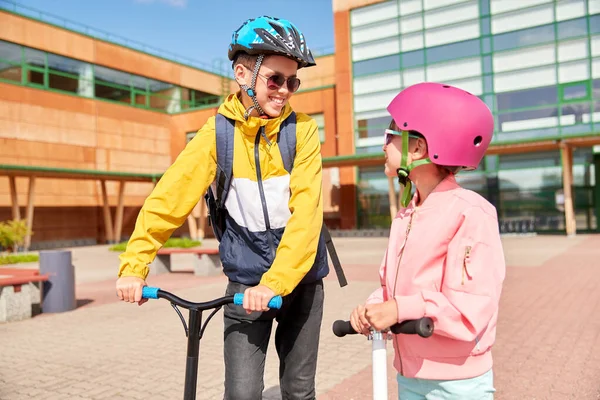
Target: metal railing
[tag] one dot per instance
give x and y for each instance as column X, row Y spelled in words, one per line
column 78, row 27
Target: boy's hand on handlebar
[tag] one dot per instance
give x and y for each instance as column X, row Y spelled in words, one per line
column 257, row 298
column 129, row 289
column 359, row 321
column 382, row 315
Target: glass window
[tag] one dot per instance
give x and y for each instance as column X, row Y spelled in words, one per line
column 488, row 84
column 575, row 91
column 453, row 51
column 35, row 67
column 488, row 99
column 373, row 13
column 34, row 57
column 320, row 120
column 530, row 119
column 530, row 160
column 487, row 65
column 574, row 114
column 189, row 136
column 10, row 61
column 112, row 85
column 413, row 59
column 486, row 45
column 572, row 28
column 484, row 7
column 372, row 127
column 527, row 98
column 68, row 75
column 595, row 23
column 525, row 37
column 485, row 26
column 382, row 64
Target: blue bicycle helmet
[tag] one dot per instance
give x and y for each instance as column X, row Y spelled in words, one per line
column 269, row 35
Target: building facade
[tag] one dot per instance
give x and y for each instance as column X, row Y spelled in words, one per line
column 535, row 63
column 88, row 123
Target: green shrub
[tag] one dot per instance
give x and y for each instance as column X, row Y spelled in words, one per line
column 12, row 234
column 185, row 243
column 18, row 258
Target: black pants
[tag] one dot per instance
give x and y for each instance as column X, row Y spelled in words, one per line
column 296, row 339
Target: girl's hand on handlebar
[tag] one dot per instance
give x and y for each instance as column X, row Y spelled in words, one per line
column 382, row 315
column 359, row 321
column 129, row 289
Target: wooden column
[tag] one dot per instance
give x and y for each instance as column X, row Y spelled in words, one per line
column 119, row 214
column 108, row 225
column 16, row 212
column 567, row 171
column 30, row 199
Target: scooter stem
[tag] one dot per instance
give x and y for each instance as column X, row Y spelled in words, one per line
column 380, row 386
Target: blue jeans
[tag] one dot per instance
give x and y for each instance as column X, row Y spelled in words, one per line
column 478, row 388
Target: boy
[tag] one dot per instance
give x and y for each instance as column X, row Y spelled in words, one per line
column 271, row 244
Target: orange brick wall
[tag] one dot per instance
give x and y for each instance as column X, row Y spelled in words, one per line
column 345, row 5
column 42, row 128
column 322, row 74
column 344, row 116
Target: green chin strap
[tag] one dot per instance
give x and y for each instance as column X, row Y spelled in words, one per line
column 404, row 170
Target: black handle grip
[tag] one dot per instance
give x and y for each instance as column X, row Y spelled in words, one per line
column 343, row 328
column 422, row 327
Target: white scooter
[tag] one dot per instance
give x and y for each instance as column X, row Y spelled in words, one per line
column 422, row 327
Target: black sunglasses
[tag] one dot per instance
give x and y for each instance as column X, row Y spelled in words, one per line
column 276, row 81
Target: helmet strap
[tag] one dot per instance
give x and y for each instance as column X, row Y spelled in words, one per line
column 251, row 90
column 404, row 171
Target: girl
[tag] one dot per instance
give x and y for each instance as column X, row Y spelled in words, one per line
column 444, row 258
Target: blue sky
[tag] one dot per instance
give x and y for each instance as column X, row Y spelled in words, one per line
column 197, row 29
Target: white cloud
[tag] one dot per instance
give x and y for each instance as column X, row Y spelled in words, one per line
column 172, row 3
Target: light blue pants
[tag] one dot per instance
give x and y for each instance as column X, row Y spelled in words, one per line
column 478, row 388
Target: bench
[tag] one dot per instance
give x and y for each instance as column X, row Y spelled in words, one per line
column 207, row 262
column 20, row 293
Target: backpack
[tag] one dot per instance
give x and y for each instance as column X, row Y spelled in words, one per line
column 286, row 139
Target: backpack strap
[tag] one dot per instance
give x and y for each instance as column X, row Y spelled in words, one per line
column 287, row 141
column 287, row 148
column 225, row 129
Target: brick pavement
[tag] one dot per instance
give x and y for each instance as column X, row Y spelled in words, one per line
column 548, row 342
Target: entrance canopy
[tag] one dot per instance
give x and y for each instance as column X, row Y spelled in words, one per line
column 33, row 172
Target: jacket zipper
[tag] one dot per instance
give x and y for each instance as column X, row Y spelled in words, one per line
column 464, row 269
column 261, row 189
column 408, row 227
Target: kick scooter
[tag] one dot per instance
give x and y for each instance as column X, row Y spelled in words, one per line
column 423, row 327
column 196, row 329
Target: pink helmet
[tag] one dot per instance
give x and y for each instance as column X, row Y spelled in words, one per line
column 457, row 125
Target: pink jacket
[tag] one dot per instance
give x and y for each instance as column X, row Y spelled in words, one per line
column 445, row 261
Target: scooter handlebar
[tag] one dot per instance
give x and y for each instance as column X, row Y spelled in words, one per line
column 422, row 327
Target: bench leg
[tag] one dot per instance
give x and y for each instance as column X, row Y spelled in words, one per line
column 161, row 264
column 207, row 265
column 15, row 305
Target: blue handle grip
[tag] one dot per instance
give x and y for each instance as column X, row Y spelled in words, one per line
column 275, row 302
column 149, row 292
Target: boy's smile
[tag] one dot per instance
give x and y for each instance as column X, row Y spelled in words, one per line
column 275, row 83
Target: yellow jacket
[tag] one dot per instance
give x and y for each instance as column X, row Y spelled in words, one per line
column 294, row 202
